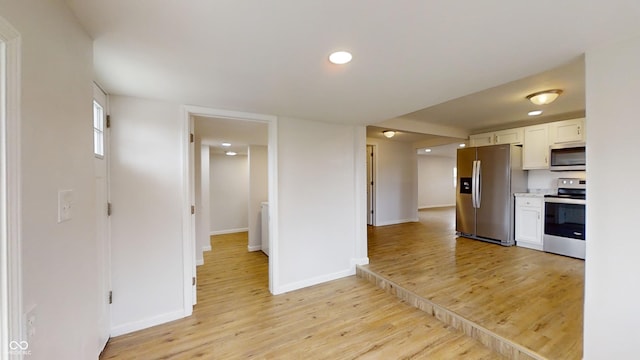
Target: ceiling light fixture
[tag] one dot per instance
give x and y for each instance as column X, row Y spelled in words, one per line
column 389, row 134
column 534, row 113
column 231, row 153
column 544, row 97
column 226, row 144
column 427, row 150
column 462, row 145
column 340, row 57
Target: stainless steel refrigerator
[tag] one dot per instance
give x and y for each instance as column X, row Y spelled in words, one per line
column 488, row 176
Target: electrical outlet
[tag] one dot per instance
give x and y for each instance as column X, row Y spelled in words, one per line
column 30, row 320
column 65, row 202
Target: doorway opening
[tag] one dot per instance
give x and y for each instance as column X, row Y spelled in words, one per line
column 205, row 116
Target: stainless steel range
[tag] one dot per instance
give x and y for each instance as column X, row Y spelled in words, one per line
column 564, row 219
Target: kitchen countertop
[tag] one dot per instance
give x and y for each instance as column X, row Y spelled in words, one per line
column 536, row 193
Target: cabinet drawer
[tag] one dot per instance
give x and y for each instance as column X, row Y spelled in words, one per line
column 529, row 201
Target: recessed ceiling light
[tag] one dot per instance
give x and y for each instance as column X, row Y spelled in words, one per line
column 462, row 145
column 534, row 112
column 340, row 57
column 231, row 153
column 226, row 144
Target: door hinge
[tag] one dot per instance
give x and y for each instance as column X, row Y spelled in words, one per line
column 109, row 209
column 110, row 297
column 191, row 138
column 193, row 209
column 108, row 121
column 193, row 281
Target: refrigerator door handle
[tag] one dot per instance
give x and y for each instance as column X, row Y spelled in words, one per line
column 479, row 182
column 473, row 183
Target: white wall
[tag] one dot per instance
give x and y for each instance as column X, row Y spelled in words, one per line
column 396, row 182
column 229, row 190
column 435, row 181
column 612, row 290
column 59, row 260
column 258, row 192
column 146, row 224
column 319, row 206
column 542, row 180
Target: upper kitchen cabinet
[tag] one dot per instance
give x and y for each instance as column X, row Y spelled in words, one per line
column 561, row 132
column 538, row 138
column 510, row 136
column 535, row 154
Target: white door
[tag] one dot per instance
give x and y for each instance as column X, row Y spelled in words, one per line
column 370, row 185
column 103, row 261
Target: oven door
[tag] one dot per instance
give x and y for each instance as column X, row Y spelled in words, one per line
column 564, row 227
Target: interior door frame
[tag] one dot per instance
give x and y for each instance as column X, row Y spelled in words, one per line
column 188, row 182
column 11, row 328
column 372, row 168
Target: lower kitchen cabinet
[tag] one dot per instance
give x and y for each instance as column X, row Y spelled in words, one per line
column 529, row 226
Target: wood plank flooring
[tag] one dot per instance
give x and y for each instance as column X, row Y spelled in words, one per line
column 532, row 298
column 237, row 318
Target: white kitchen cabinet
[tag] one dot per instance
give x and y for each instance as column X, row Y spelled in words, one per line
column 509, row 136
column 529, row 226
column 481, row 139
column 561, row 132
column 535, row 152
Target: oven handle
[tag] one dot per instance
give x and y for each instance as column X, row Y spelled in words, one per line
column 566, row 201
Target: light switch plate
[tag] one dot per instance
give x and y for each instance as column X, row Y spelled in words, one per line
column 65, row 205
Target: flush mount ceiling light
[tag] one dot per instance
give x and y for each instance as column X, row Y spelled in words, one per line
column 226, row 144
column 427, row 150
column 231, row 153
column 340, row 57
column 389, row 134
column 462, row 145
column 534, row 113
column 544, row 97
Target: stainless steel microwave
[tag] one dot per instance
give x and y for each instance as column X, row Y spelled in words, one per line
column 568, row 157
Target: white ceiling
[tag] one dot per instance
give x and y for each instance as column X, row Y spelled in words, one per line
column 270, row 57
column 240, row 134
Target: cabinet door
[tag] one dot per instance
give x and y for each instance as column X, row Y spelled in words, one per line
column 535, row 151
column 481, row 139
column 510, row 136
column 528, row 227
column 566, row 131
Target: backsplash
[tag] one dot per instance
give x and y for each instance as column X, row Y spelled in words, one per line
column 544, row 180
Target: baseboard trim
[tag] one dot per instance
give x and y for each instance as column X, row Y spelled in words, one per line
column 488, row 338
column 252, row 248
column 228, row 231
column 146, row 323
column 359, row 261
column 199, row 262
column 395, row 222
column 313, row 281
column 435, row 206
column 206, row 248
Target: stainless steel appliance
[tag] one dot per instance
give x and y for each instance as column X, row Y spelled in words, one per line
column 564, row 219
column 488, row 176
column 568, row 157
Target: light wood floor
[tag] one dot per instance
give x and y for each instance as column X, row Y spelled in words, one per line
column 533, row 298
column 237, row 318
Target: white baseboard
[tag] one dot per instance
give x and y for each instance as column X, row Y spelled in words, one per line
column 359, row 261
column 146, row 323
column 199, row 262
column 228, row 231
column 206, row 248
column 254, row 247
column 435, row 206
column 395, row 222
column 313, row 281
